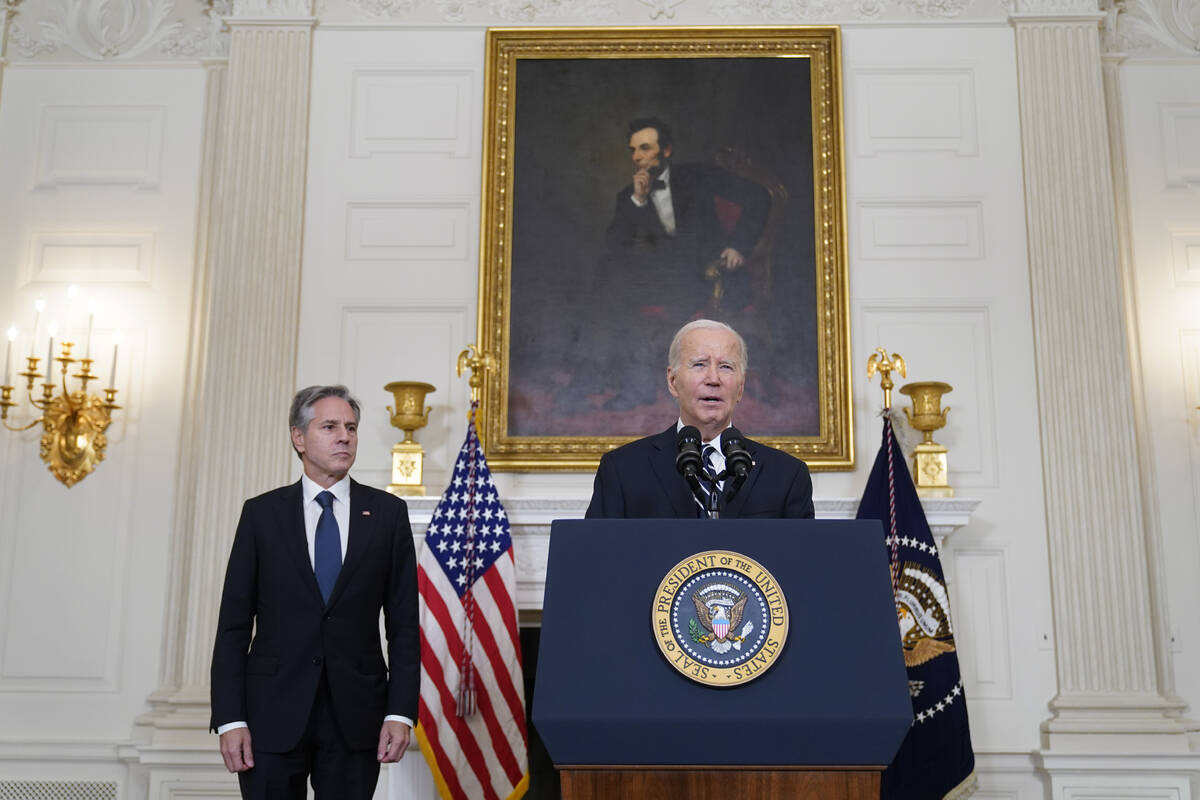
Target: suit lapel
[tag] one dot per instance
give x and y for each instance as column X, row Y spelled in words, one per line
column 294, row 538
column 362, row 528
column 662, row 461
column 734, row 506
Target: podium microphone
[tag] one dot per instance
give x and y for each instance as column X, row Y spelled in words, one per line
column 737, row 458
column 688, row 461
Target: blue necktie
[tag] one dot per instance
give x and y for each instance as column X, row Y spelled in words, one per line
column 327, row 550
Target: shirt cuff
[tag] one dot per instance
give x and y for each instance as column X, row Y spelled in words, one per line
column 639, row 203
column 398, row 718
column 229, row 726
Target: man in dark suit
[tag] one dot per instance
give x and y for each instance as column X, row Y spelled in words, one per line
column 312, row 688
column 677, row 245
column 707, row 375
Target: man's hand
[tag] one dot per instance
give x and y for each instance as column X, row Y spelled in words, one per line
column 731, row 259
column 235, row 749
column 641, row 185
column 393, row 741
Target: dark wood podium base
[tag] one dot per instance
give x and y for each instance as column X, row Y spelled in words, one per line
column 699, row 783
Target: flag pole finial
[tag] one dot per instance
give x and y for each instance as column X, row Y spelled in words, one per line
column 478, row 363
column 879, row 362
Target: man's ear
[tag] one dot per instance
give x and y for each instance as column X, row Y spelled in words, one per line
column 671, row 382
column 666, row 151
column 298, row 440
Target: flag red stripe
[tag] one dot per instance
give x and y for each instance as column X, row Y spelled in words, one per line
column 444, row 767
column 457, row 725
column 504, row 600
column 485, row 635
column 501, row 746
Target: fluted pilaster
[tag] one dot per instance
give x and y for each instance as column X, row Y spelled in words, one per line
column 242, row 366
column 1109, row 682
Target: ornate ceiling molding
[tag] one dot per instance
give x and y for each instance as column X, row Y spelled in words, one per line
column 1157, row 28
column 117, row 30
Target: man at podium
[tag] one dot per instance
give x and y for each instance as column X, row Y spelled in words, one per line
column 706, row 373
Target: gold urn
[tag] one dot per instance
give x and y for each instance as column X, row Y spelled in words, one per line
column 409, row 415
column 929, row 458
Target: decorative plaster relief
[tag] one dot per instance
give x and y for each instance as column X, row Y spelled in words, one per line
column 381, row 123
column 922, row 231
column 915, row 110
column 1151, row 27
column 1056, row 7
column 505, row 10
column 100, row 145
column 119, row 30
column 101, row 29
column 282, row 9
column 1180, row 123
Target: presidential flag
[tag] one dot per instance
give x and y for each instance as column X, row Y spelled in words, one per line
column 471, row 726
column 935, row 760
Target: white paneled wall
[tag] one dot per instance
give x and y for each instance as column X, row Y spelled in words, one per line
column 392, row 231
column 938, row 273
column 1162, row 128
column 99, row 177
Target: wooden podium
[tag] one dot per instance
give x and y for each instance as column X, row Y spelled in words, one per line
column 601, row 782
column 619, row 721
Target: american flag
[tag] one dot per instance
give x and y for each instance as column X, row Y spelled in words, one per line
column 471, row 726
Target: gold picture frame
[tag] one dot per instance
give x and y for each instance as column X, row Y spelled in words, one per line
column 566, row 336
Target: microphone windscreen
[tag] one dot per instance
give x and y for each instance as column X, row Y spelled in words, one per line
column 731, row 440
column 687, row 443
column 688, row 434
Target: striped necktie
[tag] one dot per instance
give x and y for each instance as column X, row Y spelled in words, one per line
column 711, row 474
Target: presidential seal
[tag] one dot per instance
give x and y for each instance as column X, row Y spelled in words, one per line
column 720, row 618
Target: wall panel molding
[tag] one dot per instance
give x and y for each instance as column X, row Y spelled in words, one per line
column 1185, row 255
column 384, row 342
column 409, row 230
column 919, row 230
column 381, row 121
column 1181, row 143
column 100, row 145
column 915, row 110
column 981, row 604
column 90, row 257
column 949, row 342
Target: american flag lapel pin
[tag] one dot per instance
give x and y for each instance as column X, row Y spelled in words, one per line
column 366, row 513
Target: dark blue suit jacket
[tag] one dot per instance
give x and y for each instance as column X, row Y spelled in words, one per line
column 270, row 588
column 639, row 481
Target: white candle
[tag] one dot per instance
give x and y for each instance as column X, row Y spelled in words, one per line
column 88, row 348
column 8, row 359
column 50, row 360
column 112, row 376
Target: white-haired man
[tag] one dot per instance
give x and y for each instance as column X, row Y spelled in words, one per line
column 706, row 373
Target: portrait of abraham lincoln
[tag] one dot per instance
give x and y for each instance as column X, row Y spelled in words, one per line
column 649, row 192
